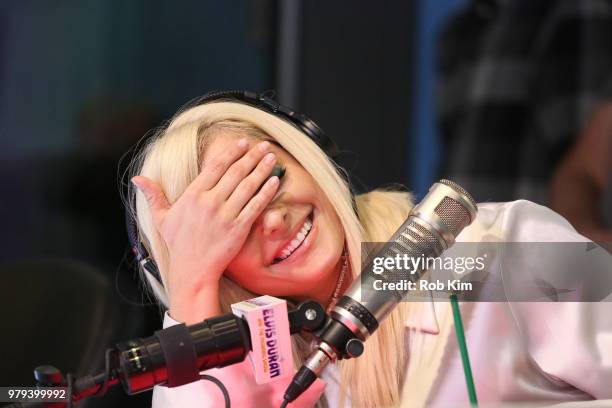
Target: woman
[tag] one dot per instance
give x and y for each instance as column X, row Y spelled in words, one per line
column 220, row 233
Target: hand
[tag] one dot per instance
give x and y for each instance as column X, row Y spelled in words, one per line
column 209, row 223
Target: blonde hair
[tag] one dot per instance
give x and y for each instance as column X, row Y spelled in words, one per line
column 172, row 159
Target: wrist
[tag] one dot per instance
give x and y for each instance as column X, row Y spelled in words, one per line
column 193, row 306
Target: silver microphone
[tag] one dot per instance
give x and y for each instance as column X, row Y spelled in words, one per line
column 429, row 230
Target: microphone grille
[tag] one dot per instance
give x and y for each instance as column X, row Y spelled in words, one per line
column 455, row 216
column 458, row 189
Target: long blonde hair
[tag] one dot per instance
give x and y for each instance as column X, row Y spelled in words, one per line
column 172, row 158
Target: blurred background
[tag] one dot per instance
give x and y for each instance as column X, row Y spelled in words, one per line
column 511, row 99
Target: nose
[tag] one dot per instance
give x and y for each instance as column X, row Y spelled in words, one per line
column 275, row 222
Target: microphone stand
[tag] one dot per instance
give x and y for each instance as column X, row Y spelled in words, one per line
column 308, row 316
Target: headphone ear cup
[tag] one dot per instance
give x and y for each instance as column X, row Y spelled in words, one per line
column 140, row 253
column 156, row 286
column 150, row 266
column 132, row 229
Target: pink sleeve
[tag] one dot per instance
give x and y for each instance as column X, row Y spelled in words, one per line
column 241, row 387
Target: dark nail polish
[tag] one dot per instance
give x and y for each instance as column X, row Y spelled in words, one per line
column 278, row 171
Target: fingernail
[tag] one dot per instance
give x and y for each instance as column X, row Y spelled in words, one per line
column 242, row 143
column 269, row 158
column 264, row 146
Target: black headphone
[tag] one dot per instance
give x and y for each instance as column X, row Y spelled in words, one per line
column 260, row 101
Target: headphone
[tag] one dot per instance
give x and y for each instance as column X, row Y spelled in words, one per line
column 260, row 101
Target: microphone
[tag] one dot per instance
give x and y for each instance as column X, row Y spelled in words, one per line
column 429, row 230
column 174, row 356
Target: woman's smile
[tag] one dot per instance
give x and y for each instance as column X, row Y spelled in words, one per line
column 297, row 240
column 299, row 244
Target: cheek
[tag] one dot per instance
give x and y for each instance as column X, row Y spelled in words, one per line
column 334, row 234
column 335, row 221
column 333, row 225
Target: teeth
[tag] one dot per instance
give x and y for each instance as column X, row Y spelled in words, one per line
column 295, row 242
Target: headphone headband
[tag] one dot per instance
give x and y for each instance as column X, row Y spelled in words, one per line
column 267, row 104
